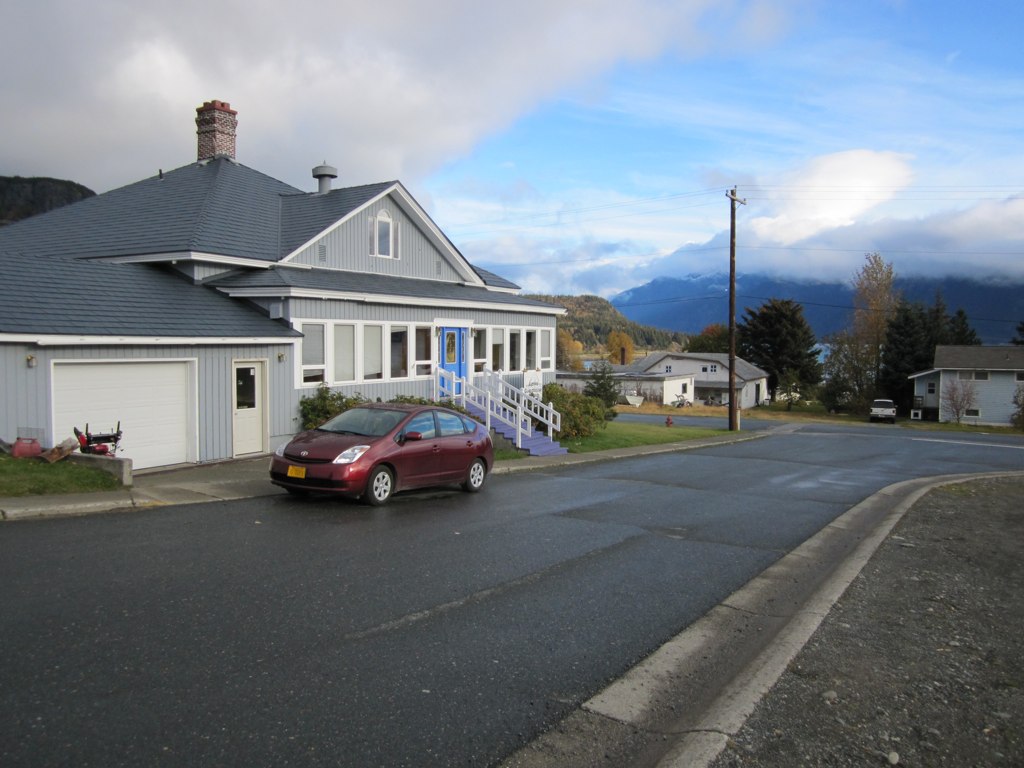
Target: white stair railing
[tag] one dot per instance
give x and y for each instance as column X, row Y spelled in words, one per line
column 500, row 401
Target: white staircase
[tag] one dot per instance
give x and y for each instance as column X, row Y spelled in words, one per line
column 506, row 409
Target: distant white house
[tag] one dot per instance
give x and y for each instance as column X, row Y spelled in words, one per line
column 671, row 377
column 993, row 372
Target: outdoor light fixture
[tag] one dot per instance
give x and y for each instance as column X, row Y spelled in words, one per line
column 30, row 361
column 280, row 357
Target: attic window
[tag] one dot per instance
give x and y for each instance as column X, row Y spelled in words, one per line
column 383, row 236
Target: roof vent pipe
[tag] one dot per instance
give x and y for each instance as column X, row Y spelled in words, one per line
column 323, row 174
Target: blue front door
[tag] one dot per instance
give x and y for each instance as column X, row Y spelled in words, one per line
column 453, row 352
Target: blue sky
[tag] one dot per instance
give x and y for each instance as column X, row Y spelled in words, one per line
column 583, row 146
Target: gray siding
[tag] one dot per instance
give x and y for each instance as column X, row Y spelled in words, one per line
column 993, row 398
column 317, row 309
column 348, row 248
column 27, row 401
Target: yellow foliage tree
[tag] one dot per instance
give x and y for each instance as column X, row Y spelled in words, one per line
column 620, row 348
column 567, row 352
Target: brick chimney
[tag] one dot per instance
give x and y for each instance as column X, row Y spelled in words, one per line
column 215, row 127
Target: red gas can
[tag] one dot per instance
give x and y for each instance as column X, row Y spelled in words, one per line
column 25, row 447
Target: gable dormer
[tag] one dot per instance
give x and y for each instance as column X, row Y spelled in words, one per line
column 384, row 233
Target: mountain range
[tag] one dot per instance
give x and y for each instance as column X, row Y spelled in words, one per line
column 692, row 303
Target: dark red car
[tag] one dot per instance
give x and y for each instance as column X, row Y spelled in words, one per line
column 372, row 451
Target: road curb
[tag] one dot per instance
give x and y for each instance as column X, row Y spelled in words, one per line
column 679, row 707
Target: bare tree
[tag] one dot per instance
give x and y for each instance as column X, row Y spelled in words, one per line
column 958, row 397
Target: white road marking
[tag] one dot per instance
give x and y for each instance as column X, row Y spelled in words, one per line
column 966, row 442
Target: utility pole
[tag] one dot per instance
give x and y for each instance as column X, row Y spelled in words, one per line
column 734, row 417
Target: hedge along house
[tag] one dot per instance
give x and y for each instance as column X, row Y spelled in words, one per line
column 198, row 306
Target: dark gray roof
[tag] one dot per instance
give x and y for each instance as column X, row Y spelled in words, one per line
column 493, row 280
column 1007, row 357
column 217, row 207
column 95, row 298
column 53, row 282
column 274, row 279
column 303, row 217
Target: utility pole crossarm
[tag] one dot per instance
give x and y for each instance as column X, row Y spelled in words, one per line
column 734, row 422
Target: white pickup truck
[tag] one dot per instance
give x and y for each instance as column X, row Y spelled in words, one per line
column 883, row 410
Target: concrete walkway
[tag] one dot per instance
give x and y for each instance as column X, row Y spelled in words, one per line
column 250, row 478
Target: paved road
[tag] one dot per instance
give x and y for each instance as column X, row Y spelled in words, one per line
column 446, row 629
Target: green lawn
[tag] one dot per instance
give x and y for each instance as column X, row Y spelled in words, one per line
column 626, row 434
column 30, row 477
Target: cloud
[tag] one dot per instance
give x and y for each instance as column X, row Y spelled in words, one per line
column 832, row 191
column 387, row 90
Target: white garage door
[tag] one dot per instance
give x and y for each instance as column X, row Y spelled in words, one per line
column 151, row 400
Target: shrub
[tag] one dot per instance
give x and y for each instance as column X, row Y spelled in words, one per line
column 325, row 404
column 582, row 416
column 1017, row 419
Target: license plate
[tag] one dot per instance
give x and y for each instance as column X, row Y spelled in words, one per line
column 299, row 472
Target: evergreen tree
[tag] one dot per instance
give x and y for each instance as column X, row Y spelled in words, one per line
column 907, row 350
column 937, row 322
column 603, row 386
column 849, row 377
column 1019, row 338
column 777, row 338
column 960, row 331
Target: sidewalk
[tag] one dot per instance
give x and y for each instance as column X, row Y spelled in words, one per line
column 250, row 478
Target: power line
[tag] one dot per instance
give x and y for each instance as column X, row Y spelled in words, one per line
column 902, row 194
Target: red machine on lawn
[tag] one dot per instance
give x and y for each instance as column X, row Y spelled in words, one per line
column 98, row 443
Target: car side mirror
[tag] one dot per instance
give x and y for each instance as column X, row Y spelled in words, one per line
column 413, row 436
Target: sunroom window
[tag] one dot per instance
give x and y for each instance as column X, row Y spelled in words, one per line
column 373, row 352
column 344, row 353
column 424, row 359
column 399, row 353
column 313, row 355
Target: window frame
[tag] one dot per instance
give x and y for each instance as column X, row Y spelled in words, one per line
column 311, row 368
column 377, row 222
column 327, row 372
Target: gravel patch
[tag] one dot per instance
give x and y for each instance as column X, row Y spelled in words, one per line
column 921, row 662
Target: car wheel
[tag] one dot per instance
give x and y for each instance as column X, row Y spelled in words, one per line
column 475, row 476
column 379, row 487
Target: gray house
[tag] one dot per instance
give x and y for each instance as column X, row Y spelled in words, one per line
column 991, row 374
column 197, row 307
column 668, row 377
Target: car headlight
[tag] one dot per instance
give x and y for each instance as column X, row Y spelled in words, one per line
column 280, row 449
column 351, row 454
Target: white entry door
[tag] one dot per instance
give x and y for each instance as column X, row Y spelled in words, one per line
column 249, row 409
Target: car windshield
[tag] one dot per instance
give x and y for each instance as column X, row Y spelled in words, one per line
column 371, row 422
